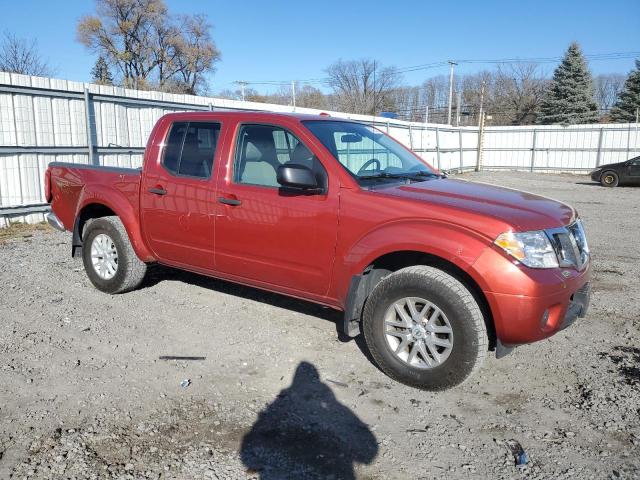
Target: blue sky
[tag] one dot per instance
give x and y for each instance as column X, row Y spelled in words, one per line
column 281, row 40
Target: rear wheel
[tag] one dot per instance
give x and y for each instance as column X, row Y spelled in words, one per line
column 425, row 329
column 609, row 179
column 109, row 259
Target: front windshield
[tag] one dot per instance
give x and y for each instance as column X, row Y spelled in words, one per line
column 366, row 152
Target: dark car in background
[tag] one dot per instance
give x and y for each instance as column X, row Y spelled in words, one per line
column 614, row 174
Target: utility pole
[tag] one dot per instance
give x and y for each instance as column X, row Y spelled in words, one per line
column 451, row 65
column 480, row 131
column 426, row 114
column 458, row 108
column 480, row 143
column 481, row 102
column 293, row 94
column 242, row 85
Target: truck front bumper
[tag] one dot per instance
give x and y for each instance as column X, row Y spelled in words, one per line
column 532, row 304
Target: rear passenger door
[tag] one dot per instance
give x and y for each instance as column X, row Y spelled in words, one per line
column 177, row 197
column 265, row 233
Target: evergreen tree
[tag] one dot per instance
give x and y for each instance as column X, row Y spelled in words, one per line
column 569, row 98
column 100, row 72
column 629, row 99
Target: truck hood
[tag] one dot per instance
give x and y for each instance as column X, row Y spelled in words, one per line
column 521, row 211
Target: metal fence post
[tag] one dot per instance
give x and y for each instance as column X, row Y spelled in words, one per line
column 533, row 151
column 438, row 146
column 19, row 157
column 410, row 137
column 211, row 107
column 89, row 113
column 635, row 138
column 460, row 149
column 599, row 154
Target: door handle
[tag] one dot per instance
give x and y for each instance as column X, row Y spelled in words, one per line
column 229, row 201
column 158, row 191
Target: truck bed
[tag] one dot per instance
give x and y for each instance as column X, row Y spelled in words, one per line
column 73, row 186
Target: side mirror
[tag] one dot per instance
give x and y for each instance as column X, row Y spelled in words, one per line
column 297, row 176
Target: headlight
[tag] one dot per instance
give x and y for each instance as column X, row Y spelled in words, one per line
column 533, row 249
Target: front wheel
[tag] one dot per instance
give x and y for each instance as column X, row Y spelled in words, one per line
column 109, row 259
column 424, row 328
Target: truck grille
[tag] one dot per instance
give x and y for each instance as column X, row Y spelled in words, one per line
column 570, row 245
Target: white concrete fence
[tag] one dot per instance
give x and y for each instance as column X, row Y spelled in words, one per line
column 45, row 119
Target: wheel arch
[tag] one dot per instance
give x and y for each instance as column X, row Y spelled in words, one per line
column 108, row 204
column 362, row 285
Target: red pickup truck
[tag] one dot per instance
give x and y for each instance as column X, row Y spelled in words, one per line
column 434, row 271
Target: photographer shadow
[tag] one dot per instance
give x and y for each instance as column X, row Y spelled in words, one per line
column 306, row 433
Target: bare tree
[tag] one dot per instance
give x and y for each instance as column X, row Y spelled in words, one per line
column 435, row 94
column 250, row 95
column 518, row 89
column 196, row 52
column 408, row 103
column 310, row 97
column 512, row 94
column 168, row 41
column 18, row 55
column 123, row 31
column 362, row 86
column 608, row 87
column 472, row 87
column 149, row 47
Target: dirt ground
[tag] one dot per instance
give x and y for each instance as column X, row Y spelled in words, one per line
column 84, row 394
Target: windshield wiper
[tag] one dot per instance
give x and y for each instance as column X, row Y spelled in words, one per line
column 382, row 175
column 410, row 175
column 429, row 174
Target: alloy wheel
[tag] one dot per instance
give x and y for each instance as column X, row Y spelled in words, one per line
column 418, row 332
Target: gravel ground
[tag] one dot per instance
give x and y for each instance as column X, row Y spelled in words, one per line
column 83, row 393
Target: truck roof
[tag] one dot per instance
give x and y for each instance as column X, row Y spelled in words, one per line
column 253, row 114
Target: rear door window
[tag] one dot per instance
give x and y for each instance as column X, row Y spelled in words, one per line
column 190, row 148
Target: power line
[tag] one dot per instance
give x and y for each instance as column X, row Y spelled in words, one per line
column 596, row 56
column 433, row 65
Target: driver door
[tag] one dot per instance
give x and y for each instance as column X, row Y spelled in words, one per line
column 265, row 233
column 634, row 170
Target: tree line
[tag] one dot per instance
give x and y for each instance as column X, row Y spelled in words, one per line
column 512, row 94
column 141, row 44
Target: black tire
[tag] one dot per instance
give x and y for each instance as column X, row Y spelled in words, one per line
column 470, row 342
column 609, row 179
column 130, row 269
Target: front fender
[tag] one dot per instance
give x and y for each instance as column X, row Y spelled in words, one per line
column 453, row 243
column 121, row 205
